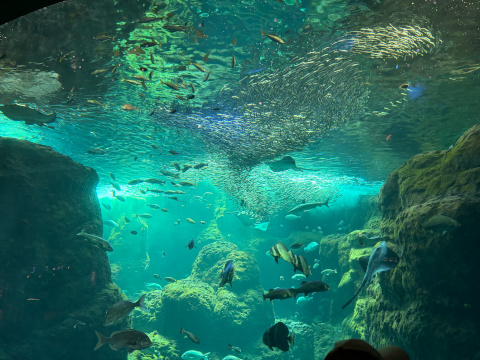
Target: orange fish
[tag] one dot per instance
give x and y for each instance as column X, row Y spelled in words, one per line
column 129, row 107
column 234, row 41
column 388, row 137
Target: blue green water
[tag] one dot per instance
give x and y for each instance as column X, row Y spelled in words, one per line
column 333, row 97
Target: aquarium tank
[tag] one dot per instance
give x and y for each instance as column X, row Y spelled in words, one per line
column 239, row 180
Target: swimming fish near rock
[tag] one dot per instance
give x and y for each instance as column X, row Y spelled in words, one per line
column 279, row 250
column 309, row 287
column 170, row 280
column 191, row 244
column 194, row 355
column 31, row 116
column 234, row 348
column 382, row 259
column 121, row 309
column 227, row 274
column 311, row 247
column 110, row 223
column 126, row 339
column 188, row 334
column 300, row 263
column 96, row 240
column 279, row 294
column 277, row 336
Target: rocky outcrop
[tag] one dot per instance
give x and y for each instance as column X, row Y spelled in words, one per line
column 428, row 303
column 50, row 277
column 217, row 316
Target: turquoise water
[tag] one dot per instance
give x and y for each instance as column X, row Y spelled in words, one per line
column 355, row 90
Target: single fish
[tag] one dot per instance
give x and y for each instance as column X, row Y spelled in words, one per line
column 199, row 166
column 227, row 274
column 96, row 151
column 298, row 277
column 382, row 259
column 441, row 223
column 191, row 221
column 143, row 216
column 96, row 240
column 135, row 182
column 191, row 244
column 278, row 294
column 154, row 206
column 234, row 348
column 110, row 223
column 307, row 206
column 273, row 38
column 300, row 263
column 296, row 245
column 127, row 220
column 155, row 181
column 153, row 286
column 328, row 272
column 279, row 250
column 116, row 185
column 126, row 339
column 192, row 337
column 156, row 276
column 277, row 336
column 309, row 287
column 286, row 163
column 186, row 183
column 24, row 113
column 170, row 280
column 194, row 355
column 122, row 309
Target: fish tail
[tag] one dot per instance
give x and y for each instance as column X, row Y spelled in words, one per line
column 263, row 33
column 291, row 339
column 102, row 340
column 181, row 330
column 326, row 203
column 141, row 303
column 206, row 355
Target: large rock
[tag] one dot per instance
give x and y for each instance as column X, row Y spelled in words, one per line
column 50, row 277
column 218, row 316
column 428, row 303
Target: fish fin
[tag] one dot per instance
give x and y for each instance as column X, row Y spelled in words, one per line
column 101, row 340
column 303, row 282
column 303, row 201
column 231, row 284
column 206, row 355
column 291, row 339
column 141, row 303
column 326, row 203
column 113, row 347
column 181, row 330
column 276, row 259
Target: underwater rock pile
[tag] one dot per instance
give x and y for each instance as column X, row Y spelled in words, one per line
column 430, row 208
column 50, row 277
column 218, row 316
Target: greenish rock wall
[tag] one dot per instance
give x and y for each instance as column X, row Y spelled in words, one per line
column 50, row 277
column 428, row 304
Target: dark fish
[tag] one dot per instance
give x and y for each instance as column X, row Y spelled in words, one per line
column 191, row 244
column 173, row 152
column 182, row 68
column 122, row 309
column 164, row 254
column 190, row 97
column 119, row 197
column 234, row 348
column 300, row 263
column 206, row 76
column 106, row 206
column 127, row 220
column 277, row 336
column 96, row 240
column 234, row 41
column 156, row 276
column 135, row 182
column 169, row 173
column 307, row 206
column 112, row 176
column 199, row 166
column 133, row 232
column 227, row 274
column 279, row 250
column 382, row 259
column 126, row 339
column 186, row 167
column 176, row 166
column 311, row 287
column 154, row 206
column 286, row 163
column 234, row 62
column 30, row 116
column 205, row 57
column 296, row 246
column 279, row 294
column 146, row 20
column 192, row 337
column 173, row 198
column 115, row 185
column 155, row 191
column 155, row 181
column 149, row 44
